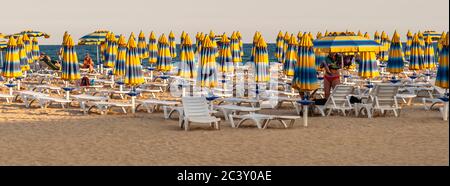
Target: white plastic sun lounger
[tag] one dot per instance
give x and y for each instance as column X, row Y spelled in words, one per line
column 169, row 107
column 262, row 120
column 196, row 110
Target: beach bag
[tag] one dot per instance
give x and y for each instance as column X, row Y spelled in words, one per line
column 85, row 81
column 320, row 101
column 354, row 100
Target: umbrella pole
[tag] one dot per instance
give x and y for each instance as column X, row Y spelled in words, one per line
column 98, row 58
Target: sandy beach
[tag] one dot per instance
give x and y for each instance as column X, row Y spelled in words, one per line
column 58, row 137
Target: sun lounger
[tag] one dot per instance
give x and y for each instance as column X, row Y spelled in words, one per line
column 339, row 100
column 105, row 106
column 84, row 98
column 196, row 110
column 262, row 120
column 169, row 107
column 384, row 98
column 45, row 101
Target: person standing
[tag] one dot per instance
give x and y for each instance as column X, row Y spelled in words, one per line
column 331, row 77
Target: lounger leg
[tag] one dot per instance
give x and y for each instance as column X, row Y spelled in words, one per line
column 186, row 125
column 230, row 118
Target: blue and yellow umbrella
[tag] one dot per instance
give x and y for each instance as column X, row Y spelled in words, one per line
column 305, row 76
column 225, row 59
column 111, row 51
column 291, row 57
column 261, row 61
column 407, row 48
column 164, row 60
column 416, row 57
column 368, row 66
column 320, row 58
column 279, row 52
column 286, row 39
column 30, row 33
column 152, row 49
column 69, row 66
column 429, row 61
column 377, row 37
column 172, row 45
column 319, row 35
column 241, row 43
column 442, row 72
column 97, row 38
column 346, row 44
column 22, row 54
column 119, row 66
column 384, row 54
column 367, row 35
column 435, row 36
column 395, row 63
column 256, row 37
column 35, row 49
column 11, row 65
column 133, row 67
column 235, row 49
column 187, row 67
column 182, row 37
column 28, row 48
column 207, row 73
column 142, row 46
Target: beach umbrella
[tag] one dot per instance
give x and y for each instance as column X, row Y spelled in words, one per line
column 70, row 67
column 182, row 37
column 435, row 36
column 299, row 36
column 256, row 37
column 305, row 75
column 291, row 57
column 441, row 41
column 11, row 65
column 28, row 48
column 164, row 60
column 442, row 72
column 142, row 46
column 224, row 60
column 119, row 66
column 320, row 58
column 152, row 48
column 241, row 43
column 24, row 65
column 2, row 46
column 279, row 47
column 212, row 35
column 215, row 47
column 30, row 33
column 286, row 39
column 360, row 33
column 35, row 49
column 133, row 67
column 111, row 51
column 416, row 57
column 198, row 41
column 368, row 66
column 207, row 76
column 377, row 37
column 384, row 54
column 395, row 63
column 96, row 38
column 407, row 48
column 172, row 45
column 235, row 49
column 429, row 61
column 187, row 67
column 318, row 35
column 366, row 35
column 261, row 61
column 345, row 44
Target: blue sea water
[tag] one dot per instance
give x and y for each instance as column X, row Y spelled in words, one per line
column 82, row 50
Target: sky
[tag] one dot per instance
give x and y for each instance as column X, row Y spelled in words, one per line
column 80, row 17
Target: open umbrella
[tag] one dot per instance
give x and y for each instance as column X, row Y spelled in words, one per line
column 152, row 49
column 407, row 48
column 133, row 67
column 442, row 72
column 291, row 57
column 172, row 45
column 95, row 38
column 416, row 58
column 119, row 66
column 279, row 48
column 207, row 71
column 142, row 46
column 305, row 76
column 429, row 61
column 164, row 60
column 235, row 49
column 30, row 33
column 111, row 51
column 70, row 67
column 435, row 36
column 368, row 66
column 395, row 63
column 11, row 66
column 187, row 67
column 224, row 60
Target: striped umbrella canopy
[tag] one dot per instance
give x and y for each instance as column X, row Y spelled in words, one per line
column 367, row 35
column 69, row 66
column 279, row 48
column 421, row 39
column 152, row 48
column 3, row 44
column 35, row 49
column 305, row 76
column 441, row 42
column 442, row 72
column 187, row 67
column 377, row 37
column 23, row 57
column 207, row 76
column 261, row 61
column 215, row 47
column 11, row 65
column 111, row 51
column 291, row 57
column 299, row 36
column 256, row 37
column 95, row 38
column 344, row 43
column 395, row 63
column 182, row 37
column 407, row 48
column 61, row 49
column 429, row 61
column 286, row 39
column 142, row 46
column 416, row 58
column 119, row 66
column 320, row 58
column 384, row 54
column 133, row 67
column 319, row 35
column 435, row 36
column 28, row 48
column 198, row 42
column 360, row 33
column 235, row 49
column 30, row 33
column 241, row 43
column 368, row 66
column 212, row 35
column 164, row 60
column 172, row 45
column 225, row 58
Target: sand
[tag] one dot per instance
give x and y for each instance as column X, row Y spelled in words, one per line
column 66, row 137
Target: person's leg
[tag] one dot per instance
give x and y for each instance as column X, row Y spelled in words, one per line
column 335, row 82
column 326, row 87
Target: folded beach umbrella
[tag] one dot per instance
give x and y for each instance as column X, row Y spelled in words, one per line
column 111, row 51
column 133, row 67
column 299, row 36
column 164, row 60
column 28, row 48
column 360, row 33
column 368, row 66
column 207, row 71
column 11, row 65
column 35, row 49
column 235, row 49
column 142, row 46
column 187, row 67
column 69, row 66
column 442, row 72
column 225, row 59
column 241, row 43
column 318, row 35
column 377, row 37
column 384, row 55
column 152, row 48
column 407, row 48
column 119, row 66
column 24, row 65
column 305, row 75
column 261, row 61
column 30, row 33
column 286, row 39
column 367, row 35
column 291, row 57
column 199, row 41
column 256, row 37
column 395, row 63
column 211, row 35
column 215, row 47
column 429, row 61
column 172, row 45
column 279, row 48
column 182, row 37
column 416, row 57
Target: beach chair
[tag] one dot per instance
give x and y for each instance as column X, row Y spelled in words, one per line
column 169, row 107
column 262, row 121
column 339, row 100
column 7, row 97
column 384, row 98
column 196, row 109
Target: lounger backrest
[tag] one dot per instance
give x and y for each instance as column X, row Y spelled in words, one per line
column 195, row 107
column 339, row 95
column 385, row 95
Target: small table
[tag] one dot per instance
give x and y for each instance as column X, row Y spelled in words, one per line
column 410, row 97
column 305, row 104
